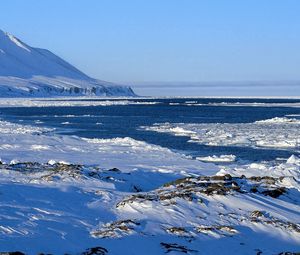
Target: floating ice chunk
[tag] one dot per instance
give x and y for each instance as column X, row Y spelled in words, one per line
column 293, row 160
column 51, row 162
column 178, row 131
column 277, row 144
column 38, row 147
column 214, row 158
column 14, row 162
column 278, row 120
column 283, row 135
column 257, row 166
column 292, row 115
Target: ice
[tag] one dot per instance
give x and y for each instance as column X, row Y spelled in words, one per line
column 278, row 120
column 256, row 104
column 293, row 160
column 125, row 153
column 278, row 133
column 70, row 101
column 51, row 162
column 218, row 159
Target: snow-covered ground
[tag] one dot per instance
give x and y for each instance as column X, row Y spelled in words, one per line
column 123, row 196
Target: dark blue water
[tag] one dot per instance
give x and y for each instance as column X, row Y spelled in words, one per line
column 125, row 120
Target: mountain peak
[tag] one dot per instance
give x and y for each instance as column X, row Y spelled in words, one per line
column 23, row 61
column 4, row 36
column 33, row 68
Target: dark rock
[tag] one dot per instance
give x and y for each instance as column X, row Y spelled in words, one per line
column 12, row 253
column 275, row 192
column 136, row 189
column 95, row 251
column 289, row 253
column 256, row 214
column 114, row 229
column 176, row 247
column 114, row 170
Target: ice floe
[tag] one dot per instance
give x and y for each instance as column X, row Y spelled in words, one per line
column 77, row 101
column 218, row 159
column 278, row 120
column 278, row 133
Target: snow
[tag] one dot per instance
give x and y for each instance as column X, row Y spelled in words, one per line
column 18, row 142
column 290, row 170
column 66, row 194
column 79, row 207
column 17, row 42
column 32, row 72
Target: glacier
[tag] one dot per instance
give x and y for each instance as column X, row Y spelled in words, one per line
column 33, row 72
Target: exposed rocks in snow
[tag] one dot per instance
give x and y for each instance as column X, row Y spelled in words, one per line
column 190, row 210
column 90, row 251
column 287, row 172
column 115, row 229
column 167, row 208
column 218, row 230
column 192, row 189
column 265, row 218
column 174, row 247
column 179, row 231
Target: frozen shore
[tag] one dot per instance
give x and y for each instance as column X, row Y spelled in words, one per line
column 64, row 194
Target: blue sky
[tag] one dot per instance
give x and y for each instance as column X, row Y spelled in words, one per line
column 165, row 40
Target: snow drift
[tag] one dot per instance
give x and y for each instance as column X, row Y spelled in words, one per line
column 27, row 71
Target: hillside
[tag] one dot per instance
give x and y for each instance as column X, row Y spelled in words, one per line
column 27, row 71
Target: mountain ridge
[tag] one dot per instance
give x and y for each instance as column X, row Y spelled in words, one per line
column 30, row 71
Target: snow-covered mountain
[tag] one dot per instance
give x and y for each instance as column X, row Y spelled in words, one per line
column 27, row 71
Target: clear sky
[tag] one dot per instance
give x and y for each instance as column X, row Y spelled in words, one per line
column 164, row 40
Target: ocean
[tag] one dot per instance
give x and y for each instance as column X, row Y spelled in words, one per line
column 135, row 121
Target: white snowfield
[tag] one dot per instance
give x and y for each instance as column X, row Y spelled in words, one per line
column 126, row 197
column 33, row 72
column 278, row 133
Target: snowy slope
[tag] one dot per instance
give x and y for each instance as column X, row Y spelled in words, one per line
column 28, row 71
